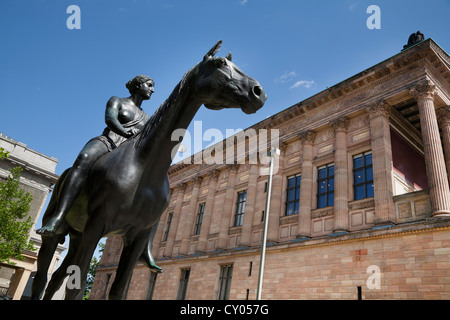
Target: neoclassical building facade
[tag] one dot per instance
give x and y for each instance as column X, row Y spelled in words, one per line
column 37, row 178
column 359, row 207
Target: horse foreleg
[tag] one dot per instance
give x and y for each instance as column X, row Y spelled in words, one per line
column 45, row 257
column 128, row 259
column 147, row 257
column 60, row 274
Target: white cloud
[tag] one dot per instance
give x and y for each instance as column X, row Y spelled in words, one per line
column 303, row 83
column 243, row 2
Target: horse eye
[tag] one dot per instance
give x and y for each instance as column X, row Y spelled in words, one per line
column 220, row 62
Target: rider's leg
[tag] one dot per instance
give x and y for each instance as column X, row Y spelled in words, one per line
column 73, row 183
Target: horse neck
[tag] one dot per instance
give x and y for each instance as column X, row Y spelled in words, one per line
column 177, row 112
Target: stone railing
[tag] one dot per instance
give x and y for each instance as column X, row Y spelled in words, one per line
column 412, row 206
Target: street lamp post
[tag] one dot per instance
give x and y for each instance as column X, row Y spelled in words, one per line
column 273, row 153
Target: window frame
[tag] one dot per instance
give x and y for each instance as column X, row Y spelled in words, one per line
column 295, row 201
column 240, row 208
column 225, row 278
column 168, row 223
column 328, row 194
column 199, row 220
column 365, row 183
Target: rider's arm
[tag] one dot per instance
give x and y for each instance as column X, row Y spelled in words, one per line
column 112, row 117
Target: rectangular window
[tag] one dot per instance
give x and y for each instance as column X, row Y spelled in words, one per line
column 293, row 195
column 198, row 223
column 226, row 273
column 325, row 186
column 240, row 208
column 182, row 288
column 363, row 176
column 166, row 232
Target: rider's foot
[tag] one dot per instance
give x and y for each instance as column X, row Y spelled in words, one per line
column 50, row 229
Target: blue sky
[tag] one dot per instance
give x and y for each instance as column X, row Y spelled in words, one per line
column 55, row 82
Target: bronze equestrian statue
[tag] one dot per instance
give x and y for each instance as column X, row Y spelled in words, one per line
column 127, row 189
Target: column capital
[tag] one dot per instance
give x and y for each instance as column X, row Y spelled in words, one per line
column 340, row 124
column 214, row 174
column 307, row 137
column 181, row 187
column 197, row 181
column 443, row 115
column 424, row 90
column 233, row 167
column 380, row 108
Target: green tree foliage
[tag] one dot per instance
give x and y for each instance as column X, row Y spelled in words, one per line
column 14, row 223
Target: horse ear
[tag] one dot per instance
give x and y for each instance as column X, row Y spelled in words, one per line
column 213, row 50
column 229, row 56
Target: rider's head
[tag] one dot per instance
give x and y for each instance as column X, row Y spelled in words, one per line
column 135, row 83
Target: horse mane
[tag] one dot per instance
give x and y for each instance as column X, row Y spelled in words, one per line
column 159, row 114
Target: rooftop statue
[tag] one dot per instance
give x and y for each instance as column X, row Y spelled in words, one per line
column 414, row 39
column 125, row 191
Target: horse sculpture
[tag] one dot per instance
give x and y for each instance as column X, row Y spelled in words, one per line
column 128, row 189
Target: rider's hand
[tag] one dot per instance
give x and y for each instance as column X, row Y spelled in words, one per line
column 131, row 132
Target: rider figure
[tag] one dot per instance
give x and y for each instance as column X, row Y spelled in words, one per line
column 124, row 118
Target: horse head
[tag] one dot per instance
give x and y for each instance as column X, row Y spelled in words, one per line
column 221, row 84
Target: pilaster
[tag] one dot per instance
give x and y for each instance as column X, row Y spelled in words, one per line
column 188, row 224
column 181, row 188
column 222, row 242
column 340, row 127
column 304, row 219
column 209, row 208
column 379, row 114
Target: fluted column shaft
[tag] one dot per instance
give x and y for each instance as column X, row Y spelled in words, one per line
column 175, row 219
column 304, row 218
column 434, row 155
column 444, row 119
column 222, row 242
column 246, row 232
column 340, row 175
column 382, row 162
column 209, row 207
column 192, row 212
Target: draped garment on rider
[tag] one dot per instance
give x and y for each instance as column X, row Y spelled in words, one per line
column 112, row 140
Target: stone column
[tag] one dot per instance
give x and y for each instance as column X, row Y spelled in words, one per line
column 175, row 219
column 246, row 231
column 340, row 175
column 18, row 283
column 209, row 208
column 380, row 134
column 434, row 155
column 444, row 121
column 306, row 186
column 190, row 217
column 222, row 242
column 275, row 201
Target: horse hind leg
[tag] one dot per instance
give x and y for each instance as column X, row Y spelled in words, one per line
column 82, row 256
column 128, row 259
